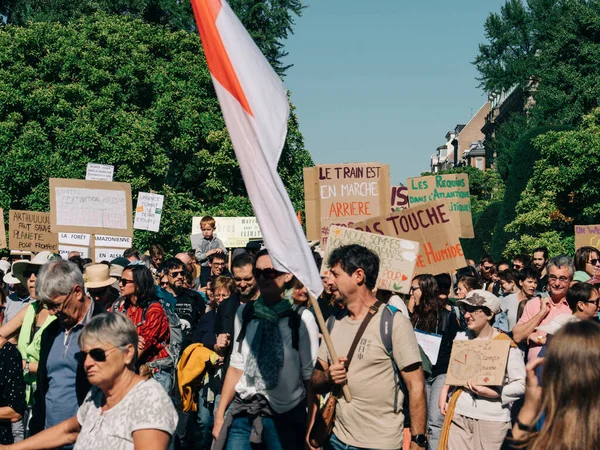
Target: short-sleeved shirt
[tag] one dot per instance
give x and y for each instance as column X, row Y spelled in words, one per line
column 369, row 421
column 12, row 387
column 14, row 304
column 532, row 308
column 145, row 407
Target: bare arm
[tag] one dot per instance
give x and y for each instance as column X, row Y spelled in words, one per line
column 150, row 440
column 7, row 413
column 312, row 401
column 522, row 330
column 227, row 393
column 417, row 397
column 64, row 433
column 12, row 327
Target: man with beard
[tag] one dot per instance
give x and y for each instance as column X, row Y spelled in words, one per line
column 189, row 305
column 62, row 384
column 540, row 259
column 248, row 291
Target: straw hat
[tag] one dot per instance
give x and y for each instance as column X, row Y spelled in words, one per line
column 21, row 266
column 97, row 276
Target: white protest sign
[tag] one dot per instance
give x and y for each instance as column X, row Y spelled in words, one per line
column 232, row 231
column 80, row 239
column 148, row 211
column 99, row 172
column 64, row 250
column 101, row 240
column 95, row 207
column 107, row 254
column 430, row 343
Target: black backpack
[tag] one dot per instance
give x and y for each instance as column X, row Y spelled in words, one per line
column 294, row 321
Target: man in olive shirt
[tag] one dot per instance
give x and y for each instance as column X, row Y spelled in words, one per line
column 369, row 420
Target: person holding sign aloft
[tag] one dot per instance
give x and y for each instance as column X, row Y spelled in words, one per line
column 477, row 416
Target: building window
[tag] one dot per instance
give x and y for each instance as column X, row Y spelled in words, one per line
column 479, row 164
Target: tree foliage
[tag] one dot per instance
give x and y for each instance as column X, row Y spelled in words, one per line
column 484, row 224
column 116, row 90
column 562, row 191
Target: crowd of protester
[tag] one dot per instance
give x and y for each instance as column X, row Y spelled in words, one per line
column 207, row 349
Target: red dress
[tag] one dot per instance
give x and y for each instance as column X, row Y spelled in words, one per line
column 154, row 330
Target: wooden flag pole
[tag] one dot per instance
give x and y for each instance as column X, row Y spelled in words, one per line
column 328, row 341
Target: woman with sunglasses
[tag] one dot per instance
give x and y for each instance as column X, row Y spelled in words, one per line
column 478, row 417
column 587, row 264
column 122, row 411
column 143, row 308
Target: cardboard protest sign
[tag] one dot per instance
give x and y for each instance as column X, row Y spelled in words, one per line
column 399, row 198
column 94, row 207
column 431, row 225
column 31, row 231
column 101, row 240
column 452, row 187
column 99, row 172
column 64, row 250
column 483, row 362
column 397, row 257
column 587, row 235
column 78, row 239
column 148, row 212
column 343, row 194
column 234, row 232
column 2, row 230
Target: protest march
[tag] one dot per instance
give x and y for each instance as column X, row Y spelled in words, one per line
column 375, row 316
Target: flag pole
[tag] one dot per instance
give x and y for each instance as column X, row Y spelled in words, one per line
column 327, row 337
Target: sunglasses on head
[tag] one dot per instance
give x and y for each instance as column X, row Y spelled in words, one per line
column 269, row 273
column 97, row 354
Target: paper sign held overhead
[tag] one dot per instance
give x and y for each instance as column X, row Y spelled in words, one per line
column 99, row 172
column 91, row 207
column 429, row 224
column 101, row 240
column 148, row 212
column 234, row 232
column 482, row 362
column 31, row 231
column 2, row 230
column 342, row 194
column 397, row 257
column 452, row 187
column 587, row 236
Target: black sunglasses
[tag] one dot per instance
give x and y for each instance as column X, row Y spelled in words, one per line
column 164, row 283
column 97, row 354
column 125, row 281
column 269, row 273
column 176, row 273
column 593, row 262
column 30, row 272
column 468, row 309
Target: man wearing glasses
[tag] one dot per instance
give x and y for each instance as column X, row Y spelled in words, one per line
column 189, row 305
column 61, row 383
column 216, row 266
column 485, row 270
column 541, row 310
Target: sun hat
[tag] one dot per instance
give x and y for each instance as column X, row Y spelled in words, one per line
column 21, row 266
column 557, row 323
column 480, row 298
column 97, row 276
column 9, row 279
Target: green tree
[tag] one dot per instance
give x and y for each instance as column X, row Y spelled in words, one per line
column 269, row 22
column 115, row 90
column 562, row 191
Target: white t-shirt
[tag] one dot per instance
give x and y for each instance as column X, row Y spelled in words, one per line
column 145, row 406
column 297, row 367
column 398, row 303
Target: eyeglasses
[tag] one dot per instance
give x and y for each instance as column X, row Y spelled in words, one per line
column 60, row 306
column 30, row 272
column 214, row 264
column 593, row 262
column 176, row 273
column 413, row 289
column 269, row 273
column 97, row 354
column 595, row 302
column 487, row 267
column 125, row 281
column 562, row 280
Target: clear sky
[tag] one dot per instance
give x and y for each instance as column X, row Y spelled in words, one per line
column 385, row 80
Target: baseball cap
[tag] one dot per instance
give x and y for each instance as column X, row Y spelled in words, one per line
column 481, row 298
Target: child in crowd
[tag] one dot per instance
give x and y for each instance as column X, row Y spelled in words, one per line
column 210, row 244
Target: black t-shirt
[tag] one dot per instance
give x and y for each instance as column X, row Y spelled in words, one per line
column 189, row 308
column 12, row 387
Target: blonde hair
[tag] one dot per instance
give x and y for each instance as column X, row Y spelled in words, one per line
column 208, row 220
column 570, row 391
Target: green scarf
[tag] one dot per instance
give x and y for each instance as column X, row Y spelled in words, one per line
column 275, row 312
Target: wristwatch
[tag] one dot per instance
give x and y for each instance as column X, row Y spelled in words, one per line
column 420, row 440
column 26, row 368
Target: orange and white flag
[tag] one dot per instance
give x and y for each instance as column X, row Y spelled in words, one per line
column 256, row 110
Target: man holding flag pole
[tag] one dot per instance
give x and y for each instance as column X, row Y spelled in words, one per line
column 256, row 111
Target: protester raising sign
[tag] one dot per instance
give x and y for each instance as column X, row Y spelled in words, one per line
column 31, row 231
column 397, row 257
column 148, row 212
column 587, row 236
column 93, row 207
column 429, row 224
column 452, row 187
column 342, row 194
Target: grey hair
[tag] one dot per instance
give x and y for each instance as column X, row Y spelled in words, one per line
column 57, row 278
column 562, row 261
column 114, row 328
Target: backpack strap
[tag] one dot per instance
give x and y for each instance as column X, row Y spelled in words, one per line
column 247, row 316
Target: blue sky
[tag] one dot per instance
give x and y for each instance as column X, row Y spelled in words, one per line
column 385, row 80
